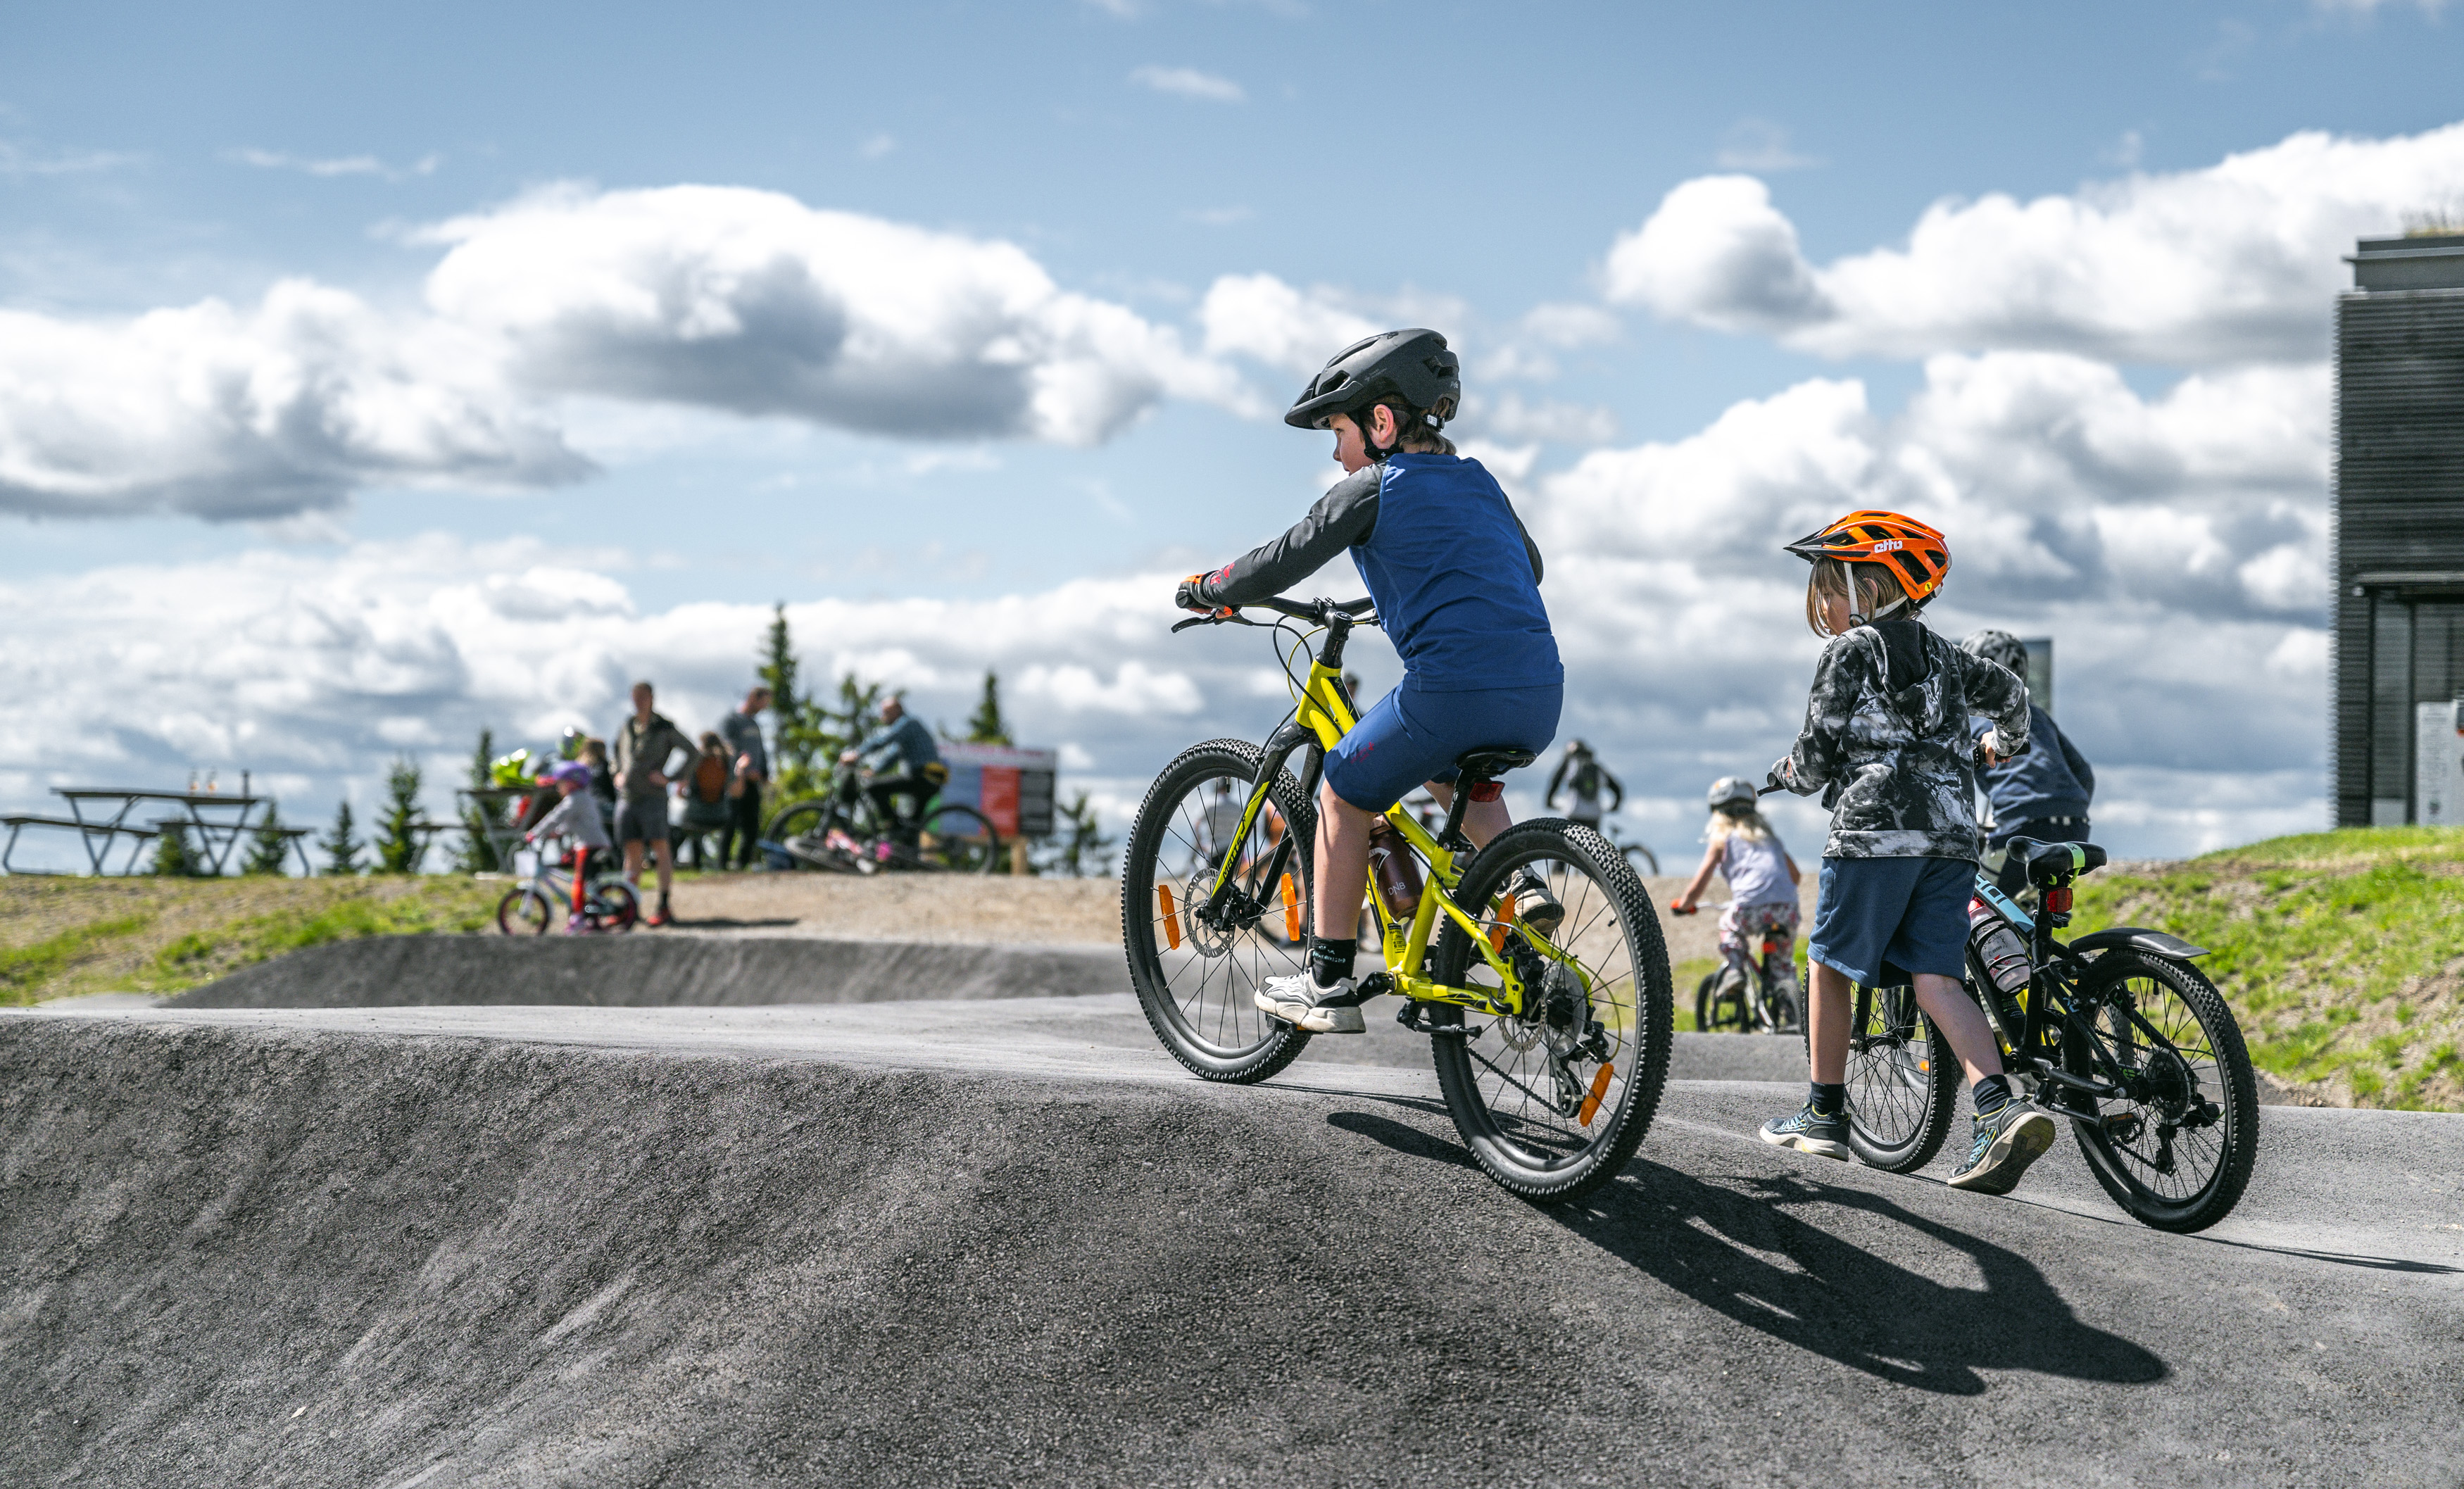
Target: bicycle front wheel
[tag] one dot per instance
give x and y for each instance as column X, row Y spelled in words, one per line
column 802, row 828
column 524, row 913
column 1902, row 1081
column 2179, row 1159
column 1198, row 971
column 958, row 839
column 1553, row 1101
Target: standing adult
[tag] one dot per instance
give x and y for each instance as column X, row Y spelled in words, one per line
column 641, row 751
column 741, row 729
column 1582, row 772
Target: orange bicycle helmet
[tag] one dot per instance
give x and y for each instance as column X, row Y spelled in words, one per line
column 1915, row 554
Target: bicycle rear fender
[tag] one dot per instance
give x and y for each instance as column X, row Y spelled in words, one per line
column 2138, row 938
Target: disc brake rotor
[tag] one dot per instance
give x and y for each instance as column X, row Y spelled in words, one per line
column 1207, row 940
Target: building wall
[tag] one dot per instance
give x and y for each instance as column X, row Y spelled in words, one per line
column 2398, row 540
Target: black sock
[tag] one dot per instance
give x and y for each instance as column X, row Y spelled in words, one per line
column 1827, row 1100
column 1992, row 1095
column 1331, row 961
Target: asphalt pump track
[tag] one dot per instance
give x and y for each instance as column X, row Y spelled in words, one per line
column 454, row 1210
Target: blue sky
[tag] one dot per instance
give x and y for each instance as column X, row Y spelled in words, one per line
column 154, row 156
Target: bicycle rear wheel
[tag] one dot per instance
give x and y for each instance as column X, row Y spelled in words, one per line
column 1197, row 977
column 2179, row 1160
column 962, row 842
column 1902, row 1081
column 618, row 907
column 1553, row 1101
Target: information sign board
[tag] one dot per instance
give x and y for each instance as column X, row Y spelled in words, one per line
column 1012, row 786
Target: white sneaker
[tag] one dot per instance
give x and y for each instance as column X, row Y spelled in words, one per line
column 1300, row 1001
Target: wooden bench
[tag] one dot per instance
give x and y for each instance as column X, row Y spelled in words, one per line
column 20, row 822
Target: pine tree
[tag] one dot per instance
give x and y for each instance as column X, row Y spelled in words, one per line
column 798, row 762
column 268, row 847
column 1084, row 852
column 988, row 727
column 342, row 851
column 400, row 849
column 172, row 857
column 477, row 855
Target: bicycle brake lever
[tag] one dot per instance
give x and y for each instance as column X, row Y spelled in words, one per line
column 1195, row 620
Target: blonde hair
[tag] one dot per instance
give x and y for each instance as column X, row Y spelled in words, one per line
column 1737, row 819
column 1869, row 591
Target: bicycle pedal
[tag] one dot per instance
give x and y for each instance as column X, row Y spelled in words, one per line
column 1409, row 1017
column 1377, row 984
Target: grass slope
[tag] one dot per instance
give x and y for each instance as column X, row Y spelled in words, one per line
column 2341, row 952
column 60, row 937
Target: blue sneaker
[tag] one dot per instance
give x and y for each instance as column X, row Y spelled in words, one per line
column 1810, row 1131
column 2001, row 1148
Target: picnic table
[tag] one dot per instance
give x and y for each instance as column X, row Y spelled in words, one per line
column 218, row 818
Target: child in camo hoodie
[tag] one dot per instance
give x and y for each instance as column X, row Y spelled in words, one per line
column 1886, row 742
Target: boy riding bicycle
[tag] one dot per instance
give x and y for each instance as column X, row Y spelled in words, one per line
column 1886, row 739
column 1455, row 579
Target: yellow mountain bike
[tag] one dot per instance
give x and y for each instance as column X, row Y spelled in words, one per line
column 1552, row 1049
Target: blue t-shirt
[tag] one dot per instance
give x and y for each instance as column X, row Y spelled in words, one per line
column 1447, row 563
column 907, row 744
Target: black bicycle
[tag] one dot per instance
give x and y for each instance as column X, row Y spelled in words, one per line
column 845, row 831
column 2117, row 1032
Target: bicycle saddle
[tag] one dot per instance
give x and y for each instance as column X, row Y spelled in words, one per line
column 2050, row 862
column 1491, row 761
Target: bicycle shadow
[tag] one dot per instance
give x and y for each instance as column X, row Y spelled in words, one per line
column 1717, row 1244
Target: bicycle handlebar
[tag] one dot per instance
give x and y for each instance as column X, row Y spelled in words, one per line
column 1316, row 610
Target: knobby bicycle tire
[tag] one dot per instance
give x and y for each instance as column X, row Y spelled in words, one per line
column 2118, row 1165
column 1515, row 1149
column 1225, row 1039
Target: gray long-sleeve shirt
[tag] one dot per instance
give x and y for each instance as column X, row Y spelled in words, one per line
column 1886, row 733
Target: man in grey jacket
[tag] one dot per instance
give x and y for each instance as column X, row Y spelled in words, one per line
column 638, row 753
column 749, row 771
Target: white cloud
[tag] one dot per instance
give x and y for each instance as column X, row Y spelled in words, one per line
column 1261, row 317
column 1509, row 417
column 20, row 160
column 1759, row 144
column 2238, row 261
column 751, row 301
column 223, row 413
column 335, row 165
column 1188, row 82
column 876, row 146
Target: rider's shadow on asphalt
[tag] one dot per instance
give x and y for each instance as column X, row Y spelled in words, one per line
column 1715, row 1242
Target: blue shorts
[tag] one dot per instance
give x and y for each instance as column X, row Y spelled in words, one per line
column 1878, row 919
column 1413, row 735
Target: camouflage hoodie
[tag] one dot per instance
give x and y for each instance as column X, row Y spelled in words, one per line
column 1886, row 741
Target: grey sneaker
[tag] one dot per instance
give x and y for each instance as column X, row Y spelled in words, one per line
column 1810, row 1131
column 1299, row 1001
column 1535, row 905
column 2002, row 1146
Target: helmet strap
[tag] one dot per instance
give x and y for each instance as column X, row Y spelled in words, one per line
column 1855, row 619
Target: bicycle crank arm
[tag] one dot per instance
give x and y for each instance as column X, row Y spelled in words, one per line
column 1410, row 1017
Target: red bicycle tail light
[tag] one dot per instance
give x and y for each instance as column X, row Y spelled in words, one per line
column 1487, row 789
column 2058, row 901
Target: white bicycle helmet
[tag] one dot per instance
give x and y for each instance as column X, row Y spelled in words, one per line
column 1729, row 790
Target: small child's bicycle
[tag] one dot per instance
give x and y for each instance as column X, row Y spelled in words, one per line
column 1750, row 993
column 1552, row 1049
column 543, row 900
column 2117, row 1032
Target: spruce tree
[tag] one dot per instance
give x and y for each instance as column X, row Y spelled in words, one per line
column 1084, row 852
column 172, row 857
column 477, row 855
column 399, row 849
column 988, row 727
column 342, row 851
column 268, row 847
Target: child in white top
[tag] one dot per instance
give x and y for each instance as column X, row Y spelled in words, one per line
column 1762, row 878
column 578, row 819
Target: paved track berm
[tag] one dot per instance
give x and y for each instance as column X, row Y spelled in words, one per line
column 403, row 1241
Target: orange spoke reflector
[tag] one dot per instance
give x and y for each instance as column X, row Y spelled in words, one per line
column 1505, row 922
column 1171, row 916
column 1292, row 910
column 1599, row 1092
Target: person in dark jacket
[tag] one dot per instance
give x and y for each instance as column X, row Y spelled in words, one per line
column 1457, row 584
column 2043, row 792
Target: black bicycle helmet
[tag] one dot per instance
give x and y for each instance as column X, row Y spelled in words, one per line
column 1999, row 646
column 1411, row 366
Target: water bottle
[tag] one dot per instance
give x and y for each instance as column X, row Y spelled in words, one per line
column 2004, row 956
column 1398, row 871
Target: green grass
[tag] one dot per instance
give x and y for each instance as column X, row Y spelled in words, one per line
column 62, row 937
column 2342, row 953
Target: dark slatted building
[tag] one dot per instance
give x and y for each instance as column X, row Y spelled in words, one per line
column 2399, row 534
